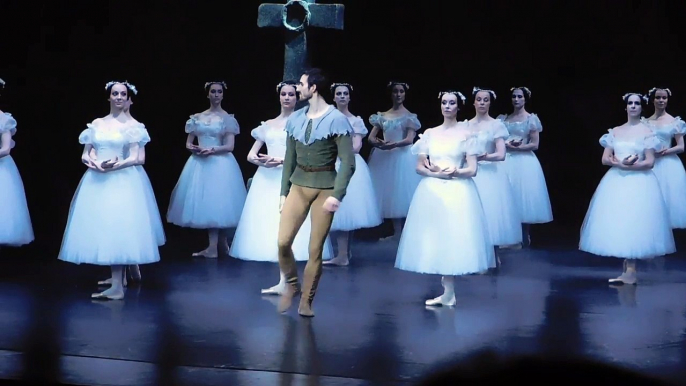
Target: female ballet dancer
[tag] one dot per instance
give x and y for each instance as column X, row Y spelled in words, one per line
column 446, row 232
column 361, row 208
column 668, row 168
column 258, row 229
column 391, row 163
column 522, row 165
column 502, row 214
column 15, row 221
column 109, row 219
column 210, row 192
column 627, row 216
column 133, row 272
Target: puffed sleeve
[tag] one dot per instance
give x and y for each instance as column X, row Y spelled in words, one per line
column 607, row 140
column 679, row 126
column 652, row 142
column 137, row 134
column 231, row 125
column 190, row 123
column 8, row 124
column 260, row 132
column 86, row 136
column 535, row 123
column 473, row 146
column 413, row 123
column 376, row 120
column 500, row 130
column 421, row 147
column 502, row 117
column 358, row 126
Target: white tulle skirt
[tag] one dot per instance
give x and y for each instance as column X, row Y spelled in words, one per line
column 395, row 179
column 529, row 187
column 209, row 194
column 672, row 178
column 627, row 217
column 258, row 230
column 445, row 232
column 502, row 214
column 15, row 221
column 153, row 209
column 361, row 207
column 109, row 221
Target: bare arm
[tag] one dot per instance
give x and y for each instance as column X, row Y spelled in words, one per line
column 470, row 169
column 534, row 141
column 498, row 154
column 140, row 160
column 189, row 141
column 407, row 141
column 646, row 164
column 608, row 158
column 6, row 140
column 679, row 148
column 373, row 137
column 357, row 143
column 228, row 142
column 421, row 168
column 131, row 160
column 254, row 151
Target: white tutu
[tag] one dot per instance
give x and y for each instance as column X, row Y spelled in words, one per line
column 258, row 230
column 502, row 215
column 15, row 222
column 529, row 189
column 627, row 217
column 360, row 207
column 209, row 194
column 155, row 218
column 445, row 232
column 395, row 179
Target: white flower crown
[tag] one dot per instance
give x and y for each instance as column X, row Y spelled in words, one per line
column 348, row 85
column 477, row 89
column 128, row 85
column 654, row 90
column 2, row 83
column 282, row 84
column 456, row 93
column 221, row 83
column 525, row 89
column 627, row 95
column 407, row 86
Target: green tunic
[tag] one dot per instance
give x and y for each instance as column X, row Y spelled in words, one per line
column 312, row 147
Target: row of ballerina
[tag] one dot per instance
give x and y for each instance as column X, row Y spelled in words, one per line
column 452, row 178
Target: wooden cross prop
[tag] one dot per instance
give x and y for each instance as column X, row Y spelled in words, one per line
column 296, row 16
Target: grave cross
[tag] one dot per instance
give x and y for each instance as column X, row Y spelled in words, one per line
column 296, row 16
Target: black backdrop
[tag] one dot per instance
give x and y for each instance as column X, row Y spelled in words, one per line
column 578, row 58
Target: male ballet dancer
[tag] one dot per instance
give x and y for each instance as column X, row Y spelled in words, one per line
column 318, row 134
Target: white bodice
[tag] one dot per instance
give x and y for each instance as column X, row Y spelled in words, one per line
column 395, row 129
column 446, row 148
column 625, row 146
column 211, row 128
column 7, row 124
column 486, row 136
column 113, row 141
column 520, row 130
column 358, row 125
column 665, row 133
column 274, row 138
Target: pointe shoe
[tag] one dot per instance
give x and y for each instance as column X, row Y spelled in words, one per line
column 108, row 295
column 625, row 278
column 442, row 300
column 286, row 300
column 275, row 290
column 205, row 254
column 340, row 261
column 134, row 272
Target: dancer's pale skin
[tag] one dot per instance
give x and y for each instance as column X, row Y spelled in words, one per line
column 661, row 118
column 342, row 100
column 287, row 99
column 119, row 94
column 215, row 95
column 449, row 109
column 633, row 128
column 398, row 110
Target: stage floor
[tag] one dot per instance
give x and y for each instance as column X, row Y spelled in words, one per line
column 197, row 321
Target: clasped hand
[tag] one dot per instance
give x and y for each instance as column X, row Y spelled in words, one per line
column 444, row 173
column 514, row 143
column 384, row 145
column 104, row 166
column 267, row 161
column 627, row 161
column 197, row 150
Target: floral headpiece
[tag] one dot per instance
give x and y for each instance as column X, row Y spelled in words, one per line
column 2, row 83
column 477, row 89
column 456, row 93
column 654, row 90
column 221, row 83
column 282, row 84
column 405, row 85
column 348, row 85
column 627, row 95
column 525, row 89
column 125, row 83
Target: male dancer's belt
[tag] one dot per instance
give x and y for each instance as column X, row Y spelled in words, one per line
column 326, row 168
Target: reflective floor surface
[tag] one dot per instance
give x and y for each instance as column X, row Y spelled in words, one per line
column 198, row 321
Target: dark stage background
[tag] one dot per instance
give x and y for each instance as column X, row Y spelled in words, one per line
column 578, row 58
